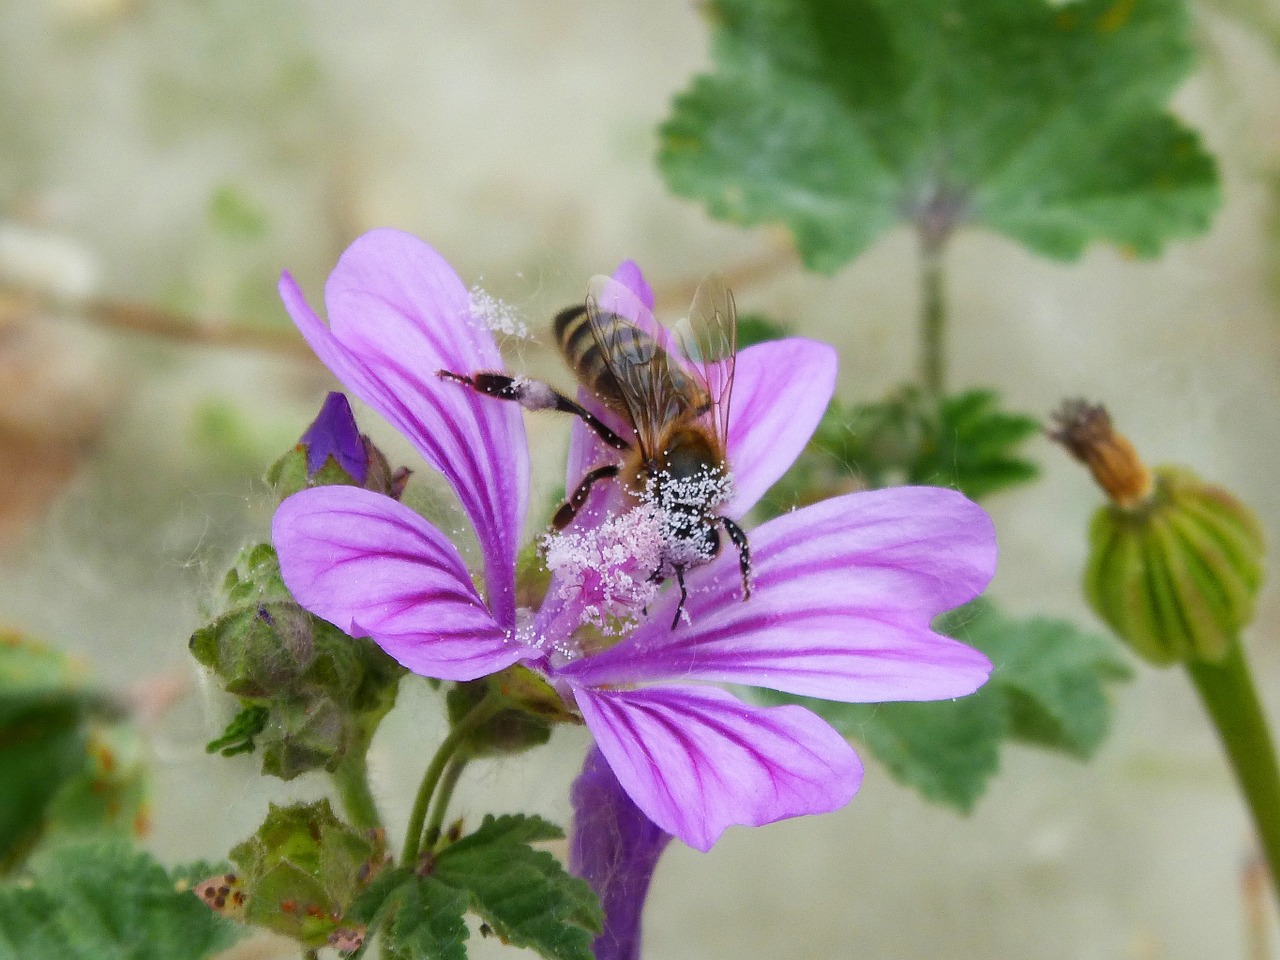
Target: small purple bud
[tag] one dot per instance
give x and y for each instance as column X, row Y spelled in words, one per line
column 628, row 274
column 334, row 434
column 615, row 848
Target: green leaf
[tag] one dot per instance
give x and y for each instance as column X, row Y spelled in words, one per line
column 965, row 442
column 238, row 736
column 428, row 923
column 106, row 902
column 1048, row 688
column 756, row 328
column 946, row 750
column 1044, row 122
column 1053, row 674
column 971, row 447
column 524, row 894
column 53, row 733
column 236, row 215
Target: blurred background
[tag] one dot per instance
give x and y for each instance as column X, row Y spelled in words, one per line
column 161, row 161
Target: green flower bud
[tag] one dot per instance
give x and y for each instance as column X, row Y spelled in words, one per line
column 1175, row 563
column 318, row 693
column 333, row 451
column 299, row 874
column 532, row 708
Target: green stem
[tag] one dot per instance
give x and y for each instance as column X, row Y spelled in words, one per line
column 444, row 793
column 351, row 780
column 933, row 316
column 479, row 714
column 1229, row 696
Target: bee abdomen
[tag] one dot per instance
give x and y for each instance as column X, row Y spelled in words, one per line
column 581, row 346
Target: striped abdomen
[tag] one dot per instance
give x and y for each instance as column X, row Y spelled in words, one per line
column 628, row 347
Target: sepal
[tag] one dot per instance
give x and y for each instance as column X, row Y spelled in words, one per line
column 323, row 691
column 299, row 874
column 1177, row 577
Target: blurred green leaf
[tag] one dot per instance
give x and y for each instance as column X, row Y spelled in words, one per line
column 1054, row 675
column 42, row 739
column 947, row 750
column 756, row 328
column 106, row 902
column 965, row 442
column 233, row 213
column 1045, row 122
column 1048, row 688
column 972, row 449
column 69, row 762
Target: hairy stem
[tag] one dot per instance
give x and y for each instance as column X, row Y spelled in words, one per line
column 444, row 793
column 351, row 780
column 1229, row 696
column 480, row 713
column 933, row 315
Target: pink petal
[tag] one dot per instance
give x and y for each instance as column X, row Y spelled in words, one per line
column 844, row 592
column 781, row 388
column 697, row 760
column 628, row 274
column 398, row 313
column 374, row 568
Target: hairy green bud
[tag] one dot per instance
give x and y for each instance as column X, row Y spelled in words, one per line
column 1175, row 563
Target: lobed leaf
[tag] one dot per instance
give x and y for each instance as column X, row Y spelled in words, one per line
column 1048, row 688
column 1045, row 122
column 106, row 902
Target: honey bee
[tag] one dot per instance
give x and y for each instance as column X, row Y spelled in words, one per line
column 677, row 406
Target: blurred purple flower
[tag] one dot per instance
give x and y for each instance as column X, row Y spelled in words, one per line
column 334, row 433
column 615, row 848
column 844, row 590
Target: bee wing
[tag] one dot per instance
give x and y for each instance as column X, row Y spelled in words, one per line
column 636, row 361
column 708, row 340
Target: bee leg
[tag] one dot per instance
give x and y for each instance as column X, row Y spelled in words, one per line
column 569, row 509
column 534, row 395
column 739, row 538
column 684, row 595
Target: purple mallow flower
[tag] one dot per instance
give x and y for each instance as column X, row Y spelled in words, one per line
column 334, row 433
column 615, row 848
column 843, row 591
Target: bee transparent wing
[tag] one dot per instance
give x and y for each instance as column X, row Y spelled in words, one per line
column 708, row 340
column 639, row 367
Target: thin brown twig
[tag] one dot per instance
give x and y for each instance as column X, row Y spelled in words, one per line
column 175, row 326
column 164, row 324
column 770, row 263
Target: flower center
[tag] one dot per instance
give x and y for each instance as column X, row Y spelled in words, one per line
column 607, row 572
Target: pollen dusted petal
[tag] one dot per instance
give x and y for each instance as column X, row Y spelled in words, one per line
column 844, row 592
column 374, row 568
column 698, row 760
column 781, row 388
column 398, row 314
